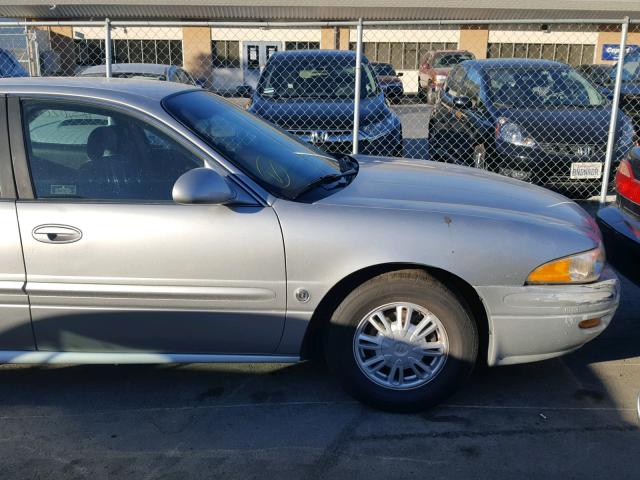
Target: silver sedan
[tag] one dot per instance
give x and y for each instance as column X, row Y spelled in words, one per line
column 147, row 222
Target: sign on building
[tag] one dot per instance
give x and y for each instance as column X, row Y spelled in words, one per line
column 611, row 51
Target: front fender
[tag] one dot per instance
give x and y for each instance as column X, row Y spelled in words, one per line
column 326, row 243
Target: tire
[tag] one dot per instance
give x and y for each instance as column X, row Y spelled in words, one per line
column 455, row 334
column 434, row 146
column 398, row 151
column 421, row 94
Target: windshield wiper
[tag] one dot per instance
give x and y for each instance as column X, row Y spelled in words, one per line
column 346, row 162
column 325, row 180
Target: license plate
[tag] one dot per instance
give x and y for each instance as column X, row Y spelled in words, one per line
column 584, row 170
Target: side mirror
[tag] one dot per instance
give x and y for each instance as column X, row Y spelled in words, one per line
column 399, row 74
column 244, row 91
column 202, row 186
column 463, row 103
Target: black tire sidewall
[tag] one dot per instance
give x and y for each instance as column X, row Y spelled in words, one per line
column 461, row 333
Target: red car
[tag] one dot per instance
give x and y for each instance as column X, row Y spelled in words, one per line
column 620, row 224
column 434, row 68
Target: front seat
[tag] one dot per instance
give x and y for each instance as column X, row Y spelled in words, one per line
column 112, row 170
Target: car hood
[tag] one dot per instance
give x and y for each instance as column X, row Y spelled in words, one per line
column 405, row 184
column 319, row 114
column 580, row 125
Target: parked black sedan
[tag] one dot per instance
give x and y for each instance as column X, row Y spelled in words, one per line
column 389, row 81
column 620, row 223
column 311, row 95
column 533, row 120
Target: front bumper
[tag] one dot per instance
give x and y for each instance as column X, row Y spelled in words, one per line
column 621, row 234
column 532, row 323
column 550, row 168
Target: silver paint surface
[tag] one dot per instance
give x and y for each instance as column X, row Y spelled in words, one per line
column 212, row 279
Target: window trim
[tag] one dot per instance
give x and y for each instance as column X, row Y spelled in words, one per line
column 23, row 179
column 7, row 185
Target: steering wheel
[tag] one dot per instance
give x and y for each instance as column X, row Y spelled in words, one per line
column 272, row 172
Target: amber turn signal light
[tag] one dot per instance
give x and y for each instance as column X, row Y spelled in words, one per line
column 591, row 323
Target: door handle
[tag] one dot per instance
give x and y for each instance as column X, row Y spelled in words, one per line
column 56, row 234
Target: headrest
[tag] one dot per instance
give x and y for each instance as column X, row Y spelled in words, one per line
column 102, row 140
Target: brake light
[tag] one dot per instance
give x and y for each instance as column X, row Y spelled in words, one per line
column 627, row 185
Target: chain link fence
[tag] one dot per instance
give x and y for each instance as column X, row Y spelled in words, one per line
column 533, row 101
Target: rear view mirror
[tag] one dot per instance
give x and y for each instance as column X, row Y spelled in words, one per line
column 202, row 186
column 244, row 91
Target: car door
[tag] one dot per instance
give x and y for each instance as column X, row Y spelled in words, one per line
column 475, row 122
column 15, row 320
column 113, row 264
column 446, row 119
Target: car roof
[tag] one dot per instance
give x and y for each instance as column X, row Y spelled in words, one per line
column 130, row 91
column 512, row 62
column 146, row 68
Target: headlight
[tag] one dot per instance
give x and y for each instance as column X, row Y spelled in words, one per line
column 580, row 268
column 512, row 133
column 441, row 79
column 374, row 130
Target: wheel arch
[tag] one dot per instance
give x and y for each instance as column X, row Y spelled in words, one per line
column 313, row 341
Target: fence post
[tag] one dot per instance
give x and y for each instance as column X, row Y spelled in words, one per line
column 615, row 104
column 358, row 87
column 107, row 48
column 33, row 52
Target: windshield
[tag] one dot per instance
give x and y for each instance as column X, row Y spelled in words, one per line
column 596, row 74
column 384, row 69
column 521, row 86
column 450, row 59
column 314, row 76
column 277, row 161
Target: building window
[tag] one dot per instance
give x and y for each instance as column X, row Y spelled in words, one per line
column 302, row 45
column 226, row 53
column 573, row 54
column 165, row 52
column 402, row 55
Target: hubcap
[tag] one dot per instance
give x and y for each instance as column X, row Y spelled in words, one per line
column 400, row 346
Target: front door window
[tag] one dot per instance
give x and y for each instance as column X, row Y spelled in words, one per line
column 90, row 153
